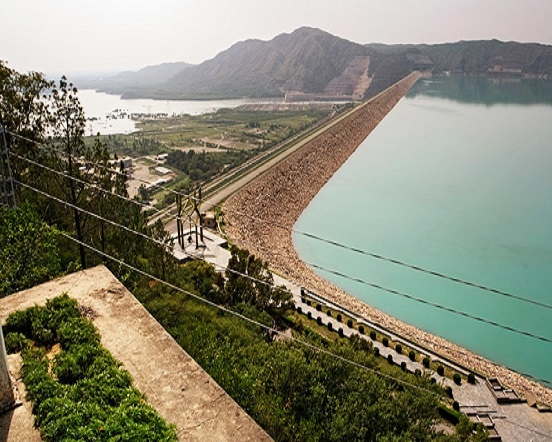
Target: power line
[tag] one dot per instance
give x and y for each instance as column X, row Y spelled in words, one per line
column 396, row 261
column 143, row 235
column 340, row 245
column 265, row 327
column 87, row 212
column 377, row 286
column 252, row 321
column 101, row 166
column 78, row 180
column 433, row 304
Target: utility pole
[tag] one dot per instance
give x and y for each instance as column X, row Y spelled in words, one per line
column 7, row 197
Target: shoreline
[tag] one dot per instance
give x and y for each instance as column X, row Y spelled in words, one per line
column 260, row 217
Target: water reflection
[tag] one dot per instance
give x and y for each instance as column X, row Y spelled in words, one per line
column 487, row 91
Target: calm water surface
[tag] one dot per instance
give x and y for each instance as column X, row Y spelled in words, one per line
column 110, row 114
column 456, row 179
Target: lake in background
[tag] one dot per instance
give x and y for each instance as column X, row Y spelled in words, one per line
column 110, row 114
column 456, row 179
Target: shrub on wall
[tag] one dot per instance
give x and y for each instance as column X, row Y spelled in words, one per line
column 81, row 394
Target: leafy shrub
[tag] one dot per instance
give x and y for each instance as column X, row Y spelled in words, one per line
column 425, row 362
column 471, row 378
column 457, row 379
column 19, row 322
column 385, row 342
column 350, row 323
column 398, row 348
column 373, row 335
column 85, row 391
column 449, row 415
column 16, row 342
column 412, row 355
column 441, row 370
column 361, row 329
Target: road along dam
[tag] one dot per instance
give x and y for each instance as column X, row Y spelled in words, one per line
column 260, row 216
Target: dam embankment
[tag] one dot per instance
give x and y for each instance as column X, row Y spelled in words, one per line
column 261, row 215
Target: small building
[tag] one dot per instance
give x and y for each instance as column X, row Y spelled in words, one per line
column 124, row 163
column 210, row 220
column 161, row 158
column 161, row 171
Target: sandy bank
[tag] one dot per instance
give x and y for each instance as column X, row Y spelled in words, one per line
column 259, row 217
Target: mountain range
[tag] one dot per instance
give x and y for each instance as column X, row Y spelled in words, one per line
column 312, row 62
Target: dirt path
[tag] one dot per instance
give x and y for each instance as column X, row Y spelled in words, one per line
column 261, row 215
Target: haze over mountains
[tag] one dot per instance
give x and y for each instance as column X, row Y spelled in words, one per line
column 312, row 61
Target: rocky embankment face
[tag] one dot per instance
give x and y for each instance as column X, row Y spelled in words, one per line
column 261, row 215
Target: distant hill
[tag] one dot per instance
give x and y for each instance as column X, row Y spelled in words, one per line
column 491, row 57
column 311, row 61
column 146, row 81
column 305, row 60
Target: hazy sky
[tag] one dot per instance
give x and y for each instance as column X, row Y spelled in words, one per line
column 68, row 36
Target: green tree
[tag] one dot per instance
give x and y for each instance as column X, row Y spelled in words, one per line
column 24, row 113
column 248, row 280
column 29, row 253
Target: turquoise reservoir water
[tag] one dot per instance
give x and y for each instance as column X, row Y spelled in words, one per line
column 456, row 179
